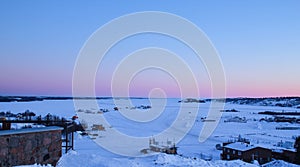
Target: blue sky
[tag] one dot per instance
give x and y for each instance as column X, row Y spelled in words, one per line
column 258, row 42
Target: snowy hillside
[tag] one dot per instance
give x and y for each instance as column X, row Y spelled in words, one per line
column 268, row 101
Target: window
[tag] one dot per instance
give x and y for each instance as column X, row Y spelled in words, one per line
column 228, row 150
column 233, row 152
column 239, row 153
column 228, row 156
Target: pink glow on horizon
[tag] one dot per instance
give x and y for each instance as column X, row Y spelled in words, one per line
column 140, row 90
column 267, row 90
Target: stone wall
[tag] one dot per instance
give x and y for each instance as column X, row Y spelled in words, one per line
column 29, row 146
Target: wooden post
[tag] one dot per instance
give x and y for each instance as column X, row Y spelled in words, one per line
column 72, row 140
column 6, row 126
column 66, row 131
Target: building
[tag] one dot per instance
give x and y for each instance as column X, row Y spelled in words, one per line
column 287, row 155
column 246, row 152
column 169, row 148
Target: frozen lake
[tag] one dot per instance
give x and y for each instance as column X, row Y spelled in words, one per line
column 228, row 128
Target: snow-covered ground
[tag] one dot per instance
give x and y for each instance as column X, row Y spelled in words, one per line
column 191, row 152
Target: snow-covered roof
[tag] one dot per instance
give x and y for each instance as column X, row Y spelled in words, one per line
column 279, row 163
column 29, row 130
column 244, row 147
column 281, row 149
column 240, row 146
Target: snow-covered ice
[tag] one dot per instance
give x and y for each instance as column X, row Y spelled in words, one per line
column 88, row 153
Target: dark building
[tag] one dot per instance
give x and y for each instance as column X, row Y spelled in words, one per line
column 246, row 152
column 286, row 155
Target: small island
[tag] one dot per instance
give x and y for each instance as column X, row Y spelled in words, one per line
column 191, row 100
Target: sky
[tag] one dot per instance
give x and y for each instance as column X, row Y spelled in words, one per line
column 258, row 43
